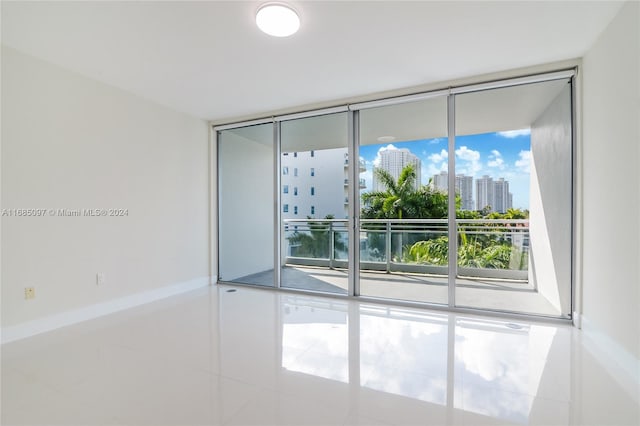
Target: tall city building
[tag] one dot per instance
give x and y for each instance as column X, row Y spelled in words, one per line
column 464, row 188
column 484, row 192
column 502, row 197
column 315, row 183
column 393, row 161
column 493, row 194
column 441, row 181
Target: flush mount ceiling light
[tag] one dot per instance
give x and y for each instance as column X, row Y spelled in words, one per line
column 386, row 138
column 277, row 19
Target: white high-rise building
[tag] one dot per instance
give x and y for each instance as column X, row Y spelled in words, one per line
column 502, row 197
column 464, row 188
column 441, row 181
column 393, row 161
column 315, row 183
column 484, row 192
column 494, row 194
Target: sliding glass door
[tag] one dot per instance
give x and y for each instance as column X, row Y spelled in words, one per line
column 513, row 178
column 461, row 197
column 403, row 212
column 314, row 189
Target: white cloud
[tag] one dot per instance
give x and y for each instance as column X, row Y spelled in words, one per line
column 438, row 157
column 433, row 169
column 437, row 163
column 368, row 179
column 496, row 160
column 468, row 161
column 389, row 147
column 467, row 154
column 524, row 163
column 435, row 141
column 514, row 133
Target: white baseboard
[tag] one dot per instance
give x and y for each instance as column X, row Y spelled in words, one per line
column 52, row 322
column 623, row 366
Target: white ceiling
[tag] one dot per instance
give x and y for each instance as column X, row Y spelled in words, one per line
column 208, row 59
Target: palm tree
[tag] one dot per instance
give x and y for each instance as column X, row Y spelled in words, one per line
column 397, row 201
column 402, row 200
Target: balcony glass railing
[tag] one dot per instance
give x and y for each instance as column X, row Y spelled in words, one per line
column 487, row 248
column 361, row 183
column 362, row 166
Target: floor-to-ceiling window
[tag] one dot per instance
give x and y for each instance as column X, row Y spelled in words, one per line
column 460, row 197
column 313, row 231
column 513, row 163
column 402, row 211
column 246, row 199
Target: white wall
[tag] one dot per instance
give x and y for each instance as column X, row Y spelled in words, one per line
column 71, row 142
column 550, row 198
column 611, row 179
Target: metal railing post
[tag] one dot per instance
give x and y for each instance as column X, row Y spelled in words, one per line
column 387, row 250
column 332, row 245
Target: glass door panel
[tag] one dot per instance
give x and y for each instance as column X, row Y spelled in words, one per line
column 513, row 188
column 403, row 211
column 314, row 203
column 246, row 199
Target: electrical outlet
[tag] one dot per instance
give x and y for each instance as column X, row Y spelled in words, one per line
column 29, row 293
column 101, row 278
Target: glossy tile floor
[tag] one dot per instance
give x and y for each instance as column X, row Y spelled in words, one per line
column 260, row 357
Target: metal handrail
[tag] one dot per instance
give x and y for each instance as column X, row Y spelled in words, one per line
column 390, row 227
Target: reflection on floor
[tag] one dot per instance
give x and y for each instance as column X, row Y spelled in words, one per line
column 271, row 358
column 500, row 295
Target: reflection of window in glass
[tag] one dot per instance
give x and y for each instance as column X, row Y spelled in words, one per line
column 312, row 153
column 295, row 190
column 285, row 170
column 313, row 171
column 295, row 171
column 313, row 209
column 285, row 208
column 313, row 190
column 285, row 189
column 295, row 209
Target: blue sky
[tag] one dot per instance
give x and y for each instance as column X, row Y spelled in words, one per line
column 501, row 154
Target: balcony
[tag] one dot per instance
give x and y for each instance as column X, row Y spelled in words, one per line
column 409, row 260
column 362, row 167
column 361, row 183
